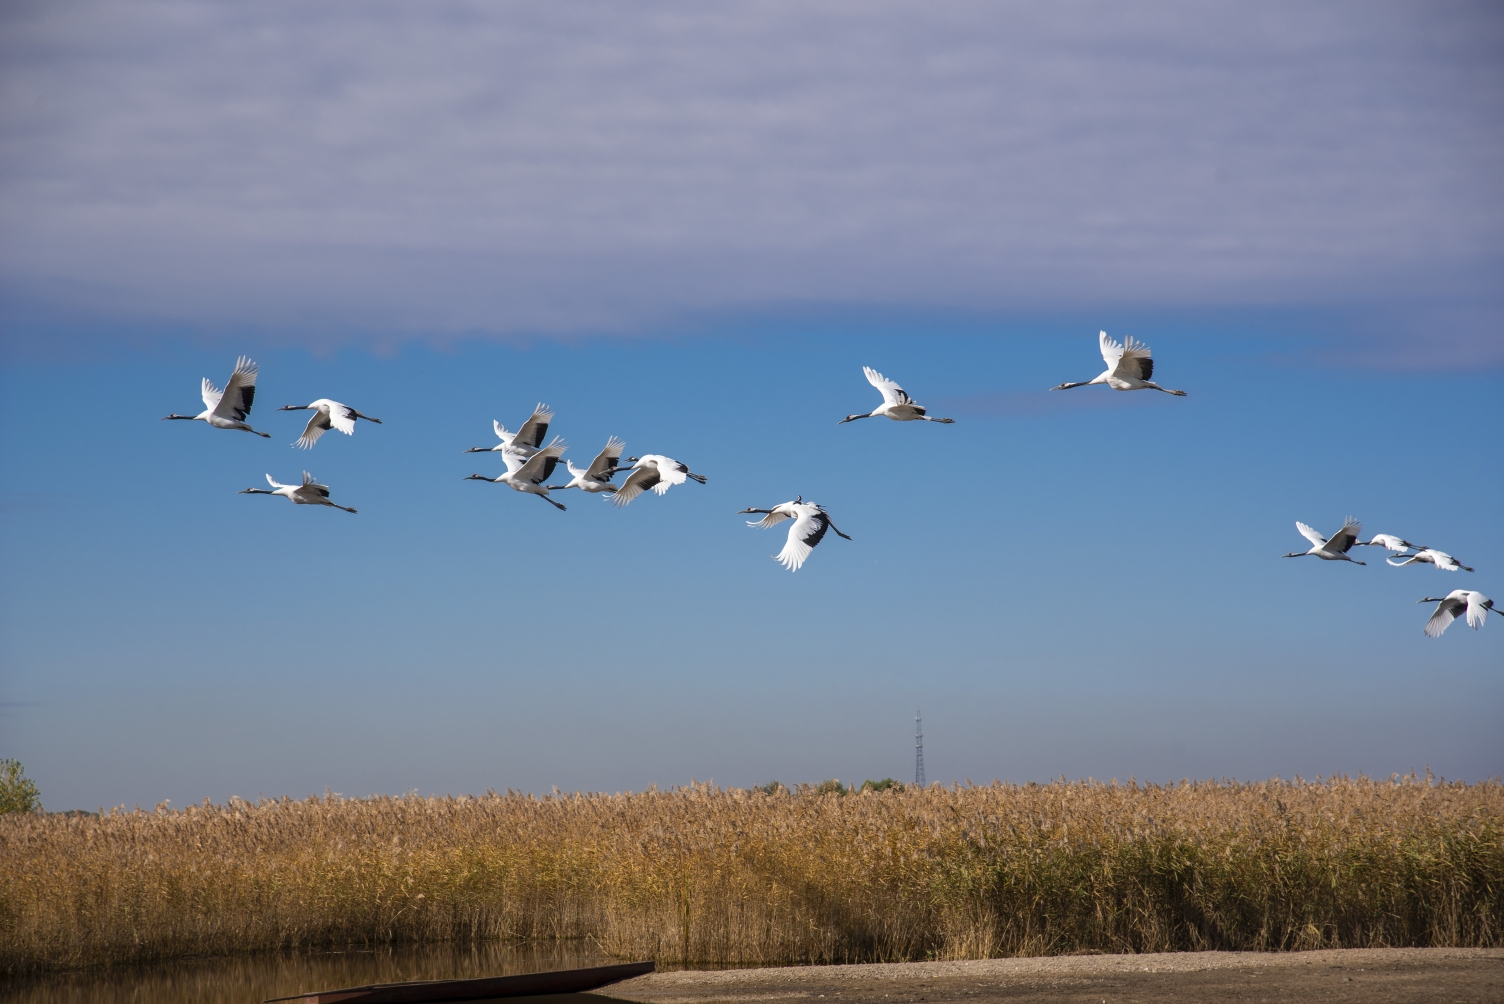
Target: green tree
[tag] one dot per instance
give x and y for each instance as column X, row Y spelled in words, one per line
column 884, row 785
column 18, row 793
column 831, row 787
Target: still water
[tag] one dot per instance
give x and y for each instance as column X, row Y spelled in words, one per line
column 251, row 978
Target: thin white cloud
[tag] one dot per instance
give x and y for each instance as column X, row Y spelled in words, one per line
column 445, row 168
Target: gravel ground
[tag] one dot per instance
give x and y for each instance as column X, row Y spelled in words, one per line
column 1355, row 975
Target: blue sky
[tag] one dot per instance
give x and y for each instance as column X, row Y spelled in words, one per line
column 691, row 230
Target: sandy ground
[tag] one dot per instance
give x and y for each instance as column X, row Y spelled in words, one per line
column 1357, row 975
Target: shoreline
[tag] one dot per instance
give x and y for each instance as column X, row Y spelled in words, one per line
column 1338, row 975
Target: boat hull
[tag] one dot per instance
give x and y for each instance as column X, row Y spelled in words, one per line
column 564, row 981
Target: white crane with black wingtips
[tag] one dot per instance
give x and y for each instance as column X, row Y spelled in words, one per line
column 596, row 477
column 1431, row 556
column 1388, row 541
column 896, row 405
column 651, row 470
column 310, row 492
column 327, row 415
column 228, row 408
column 527, row 440
column 527, row 474
column 809, row 526
column 1333, row 548
column 1453, row 605
column 1129, row 367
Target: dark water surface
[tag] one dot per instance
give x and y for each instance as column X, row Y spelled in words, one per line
column 247, row 979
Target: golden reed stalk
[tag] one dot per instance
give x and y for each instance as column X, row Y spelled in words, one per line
column 702, row 874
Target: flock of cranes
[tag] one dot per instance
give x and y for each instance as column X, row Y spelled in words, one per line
column 530, row 465
column 1449, row 607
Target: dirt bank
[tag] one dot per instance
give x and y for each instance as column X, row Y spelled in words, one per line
column 1354, row 975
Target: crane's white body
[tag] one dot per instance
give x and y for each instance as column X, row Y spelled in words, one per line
column 651, row 470
column 1389, row 542
column 1431, row 556
column 1129, row 367
column 809, row 526
column 527, row 474
column 327, row 415
column 526, row 441
column 1454, row 605
column 896, row 405
column 310, row 492
column 228, row 408
column 1333, row 548
column 596, row 477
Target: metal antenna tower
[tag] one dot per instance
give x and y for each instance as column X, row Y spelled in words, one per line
column 918, row 752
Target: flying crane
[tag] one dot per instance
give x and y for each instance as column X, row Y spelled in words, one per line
column 228, row 408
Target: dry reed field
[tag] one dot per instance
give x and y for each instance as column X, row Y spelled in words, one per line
column 704, row 874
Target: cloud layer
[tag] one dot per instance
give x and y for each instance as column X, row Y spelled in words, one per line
column 452, row 168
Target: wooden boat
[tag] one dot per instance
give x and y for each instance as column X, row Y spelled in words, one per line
column 564, row 981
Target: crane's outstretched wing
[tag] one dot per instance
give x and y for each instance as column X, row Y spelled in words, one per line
column 1445, row 561
column 540, row 466
column 316, row 427
column 773, row 518
column 275, row 484
column 604, row 461
column 1401, row 564
column 513, row 460
column 806, row 532
column 342, row 418
column 639, row 481
column 1131, row 359
column 502, row 433
column 1342, row 541
column 212, row 394
column 1446, row 612
column 892, row 393
column 311, row 485
column 1478, row 607
column 534, row 429
column 1112, row 352
column 1136, row 360
column 239, row 392
column 1309, row 533
column 670, row 473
